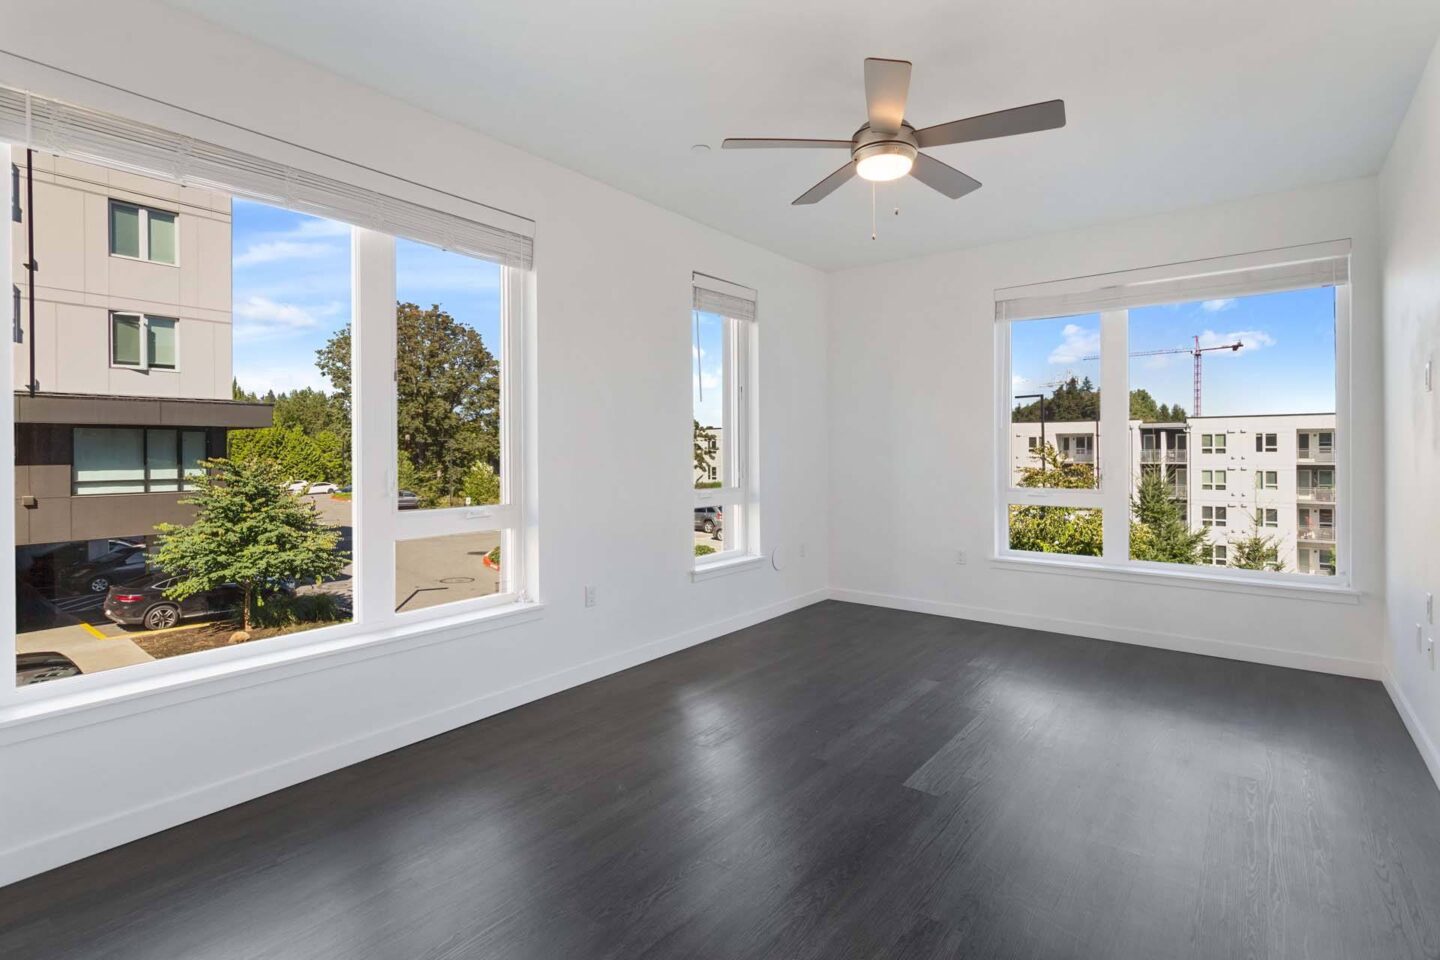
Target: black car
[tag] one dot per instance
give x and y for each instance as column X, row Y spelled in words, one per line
column 122, row 565
column 144, row 603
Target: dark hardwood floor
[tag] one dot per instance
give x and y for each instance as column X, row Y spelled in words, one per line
column 842, row 782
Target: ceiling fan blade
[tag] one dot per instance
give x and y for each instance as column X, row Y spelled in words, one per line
column 825, row 187
column 1003, row 123
column 942, row 177
column 887, row 85
column 768, row 143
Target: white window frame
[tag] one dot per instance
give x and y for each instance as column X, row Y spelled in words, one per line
column 377, row 522
column 1112, row 296
column 146, row 363
column 144, row 221
column 739, row 490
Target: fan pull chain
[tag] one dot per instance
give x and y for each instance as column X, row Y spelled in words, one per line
column 872, row 210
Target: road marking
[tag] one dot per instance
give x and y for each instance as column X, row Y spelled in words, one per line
column 188, row 626
column 93, row 632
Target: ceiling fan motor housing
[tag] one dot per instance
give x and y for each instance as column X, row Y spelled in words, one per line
column 872, row 143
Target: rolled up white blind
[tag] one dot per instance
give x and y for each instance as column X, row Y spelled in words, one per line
column 68, row 130
column 714, row 295
column 1268, row 271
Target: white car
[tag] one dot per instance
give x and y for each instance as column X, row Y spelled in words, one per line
column 302, row 486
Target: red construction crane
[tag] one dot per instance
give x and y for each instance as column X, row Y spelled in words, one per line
column 1195, row 351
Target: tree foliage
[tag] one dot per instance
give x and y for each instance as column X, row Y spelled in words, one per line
column 1144, row 408
column 482, row 484
column 1077, row 399
column 1158, row 530
column 297, row 455
column 704, row 439
column 1257, row 551
column 248, row 530
column 1051, row 529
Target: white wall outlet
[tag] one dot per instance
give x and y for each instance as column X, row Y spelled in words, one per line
column 589, row 596
column 961, row 558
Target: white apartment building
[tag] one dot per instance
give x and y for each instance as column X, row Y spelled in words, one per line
column 1230, row 474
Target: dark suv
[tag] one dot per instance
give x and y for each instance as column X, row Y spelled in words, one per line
column 144, row 603
column 710, row 520
column 124, row 564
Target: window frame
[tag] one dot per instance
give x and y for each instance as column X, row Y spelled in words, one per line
column 143, row 221
column 146, row 363
column 1245, row 275
column 183, row 484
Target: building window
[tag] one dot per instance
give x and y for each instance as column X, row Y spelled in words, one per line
column 142, row 341
column 110, row 460
column 721, row 360
column 1256, row 322
column 142, row 233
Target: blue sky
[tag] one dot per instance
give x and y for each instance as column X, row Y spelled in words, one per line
column 292, row 292
column 706, row 384
column 1287, row 363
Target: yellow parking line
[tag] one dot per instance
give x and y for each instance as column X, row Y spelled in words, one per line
column 188, row 626
column 93, row 632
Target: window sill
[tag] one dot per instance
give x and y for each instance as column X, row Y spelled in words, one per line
column 722, row 568
column 1187, row 579
column 53, row 713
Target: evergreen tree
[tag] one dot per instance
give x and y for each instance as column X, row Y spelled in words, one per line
column 1257, row 551
column 1158, row 530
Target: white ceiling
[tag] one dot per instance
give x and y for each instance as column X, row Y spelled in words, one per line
column 1171, row 103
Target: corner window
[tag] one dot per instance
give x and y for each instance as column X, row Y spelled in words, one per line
column 142, row 233
column 142, row 341
column 1210, row 351
column 722, row 345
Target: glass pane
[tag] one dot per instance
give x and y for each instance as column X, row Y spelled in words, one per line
column 1251, row 382
column 109, row 460
column 708, row 399
column 192, row 451
column 448, row 377
column 711, row 533
column 162, row 460
column 162, row 236
column 436, row 570
column 161, row 338
column 1055, row 418
column 1075, row 531
column 124, row 230
column 125, row 340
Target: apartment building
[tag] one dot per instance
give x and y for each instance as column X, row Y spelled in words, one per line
column 122, row 359
column 1231, row 475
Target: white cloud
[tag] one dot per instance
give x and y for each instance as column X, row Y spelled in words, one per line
column 260, row 318
column 1079, row 344
column 1017, row 381
column 270, row 251
column 1215, row 306
column 1251, row 340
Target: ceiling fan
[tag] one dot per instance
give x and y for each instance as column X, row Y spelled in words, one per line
column 887, row 148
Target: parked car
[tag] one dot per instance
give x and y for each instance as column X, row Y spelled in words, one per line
column 40, row 667
column 144, row 604
column 318, row 487
column 710, row 520
column 408, row 500
column 123, row 564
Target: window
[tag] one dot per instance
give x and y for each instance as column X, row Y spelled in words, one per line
column 1213, row 516
column 143, row 341
column 111, row 460
column 142, row 233
column 722, row 357
column 1240, row 346
column 337, row 335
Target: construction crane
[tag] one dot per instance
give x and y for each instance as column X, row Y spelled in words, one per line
column 1195, row 350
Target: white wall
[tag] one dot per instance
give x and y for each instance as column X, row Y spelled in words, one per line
column 614, row 461
column 1410, row 204
column 912, row 433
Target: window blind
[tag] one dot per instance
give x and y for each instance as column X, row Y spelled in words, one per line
column 1269, row 271
column 67, row 130
column 714, row 295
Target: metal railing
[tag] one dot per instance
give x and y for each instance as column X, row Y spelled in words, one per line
column 1163, row 456
column 1177, row 456
column 1323, row 494
column 1323, row 534
column 1316, row 456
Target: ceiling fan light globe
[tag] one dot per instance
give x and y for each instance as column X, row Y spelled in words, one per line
column 884, row 166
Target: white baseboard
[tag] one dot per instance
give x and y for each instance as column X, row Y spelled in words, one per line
column 1429, row 752
column 123, row 826
column 1271, row 656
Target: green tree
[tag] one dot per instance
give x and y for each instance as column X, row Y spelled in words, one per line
column 1143, row 407
column 448, row 395
column 704, row 438
column 482, row 484
column 248, row 530
column 1074, row 399
column 1257, row 551
column 294, row 453
column 1050, row 529
column 1158, row 530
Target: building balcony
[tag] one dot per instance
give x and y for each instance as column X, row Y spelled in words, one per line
column 1316, row 534
column 1316, row 456
column 1078, row 456
column 1163, row 456
column 1316, row 494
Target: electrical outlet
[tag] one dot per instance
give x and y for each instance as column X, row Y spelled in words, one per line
column 960, row 558
column 589, row 596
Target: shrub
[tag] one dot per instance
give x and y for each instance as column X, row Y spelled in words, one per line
column 703, row 549
column 494, row 557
